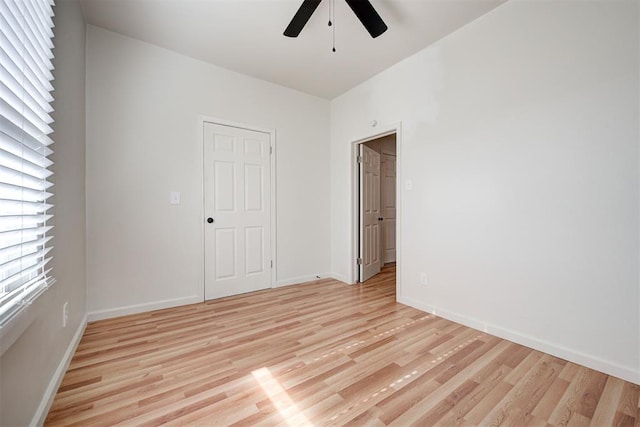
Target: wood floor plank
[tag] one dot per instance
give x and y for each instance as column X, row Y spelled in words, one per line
column 488, row 380
column 412, row 415
column 630, row 398
column 323, row 353
column 518, row 404
column 607, row 407
column 550, row 399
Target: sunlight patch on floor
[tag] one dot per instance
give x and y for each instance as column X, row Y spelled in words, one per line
column 279, row 397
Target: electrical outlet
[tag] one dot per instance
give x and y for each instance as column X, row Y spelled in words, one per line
column 423, row 278
column 65, row 314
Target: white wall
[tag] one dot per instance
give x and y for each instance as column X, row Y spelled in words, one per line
column 32, row 367
column 143, row 104
column 520, row 135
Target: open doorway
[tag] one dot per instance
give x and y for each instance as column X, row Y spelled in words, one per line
column 376, row 200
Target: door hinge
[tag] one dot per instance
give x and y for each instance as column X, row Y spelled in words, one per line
column 360, row 261
column 360, row 159
column 270, row 149
column 271, row 263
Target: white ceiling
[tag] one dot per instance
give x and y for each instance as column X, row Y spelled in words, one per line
column 246, row 35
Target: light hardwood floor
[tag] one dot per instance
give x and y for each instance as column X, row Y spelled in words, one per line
column 324, row 354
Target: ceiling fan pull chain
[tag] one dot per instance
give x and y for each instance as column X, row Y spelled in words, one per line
column 333, row 16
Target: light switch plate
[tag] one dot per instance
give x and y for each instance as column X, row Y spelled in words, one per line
column 423, row 278
column 174, row 197
column 408, row 185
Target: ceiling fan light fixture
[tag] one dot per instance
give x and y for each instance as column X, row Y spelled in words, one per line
column 363, row 9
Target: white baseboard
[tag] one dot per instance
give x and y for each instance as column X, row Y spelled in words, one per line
column 300, row 280
column 141, row 308
column 52, row 388
column 340, row 278
column 624, row 372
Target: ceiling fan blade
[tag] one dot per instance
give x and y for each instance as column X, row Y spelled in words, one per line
column 368, row 16
column 301, row 17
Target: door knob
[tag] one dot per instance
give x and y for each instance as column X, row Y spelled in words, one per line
column 209, row 220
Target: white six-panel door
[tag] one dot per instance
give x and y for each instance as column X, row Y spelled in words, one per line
column 237, row 209
column 370, row 218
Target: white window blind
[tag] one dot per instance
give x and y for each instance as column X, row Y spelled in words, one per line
column 26, row 32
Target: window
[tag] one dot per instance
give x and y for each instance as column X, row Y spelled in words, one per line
column 25, row 106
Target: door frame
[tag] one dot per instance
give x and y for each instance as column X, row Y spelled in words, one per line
column 202, row 119
column 355, row 227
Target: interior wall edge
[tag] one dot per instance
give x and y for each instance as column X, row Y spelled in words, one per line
column 301, row 280
column 141, row 308
column 341, row 278
column 110, row 313
column 610, row 368
column 50, row 393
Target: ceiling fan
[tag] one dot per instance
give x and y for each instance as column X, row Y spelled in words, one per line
column 362, row 8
